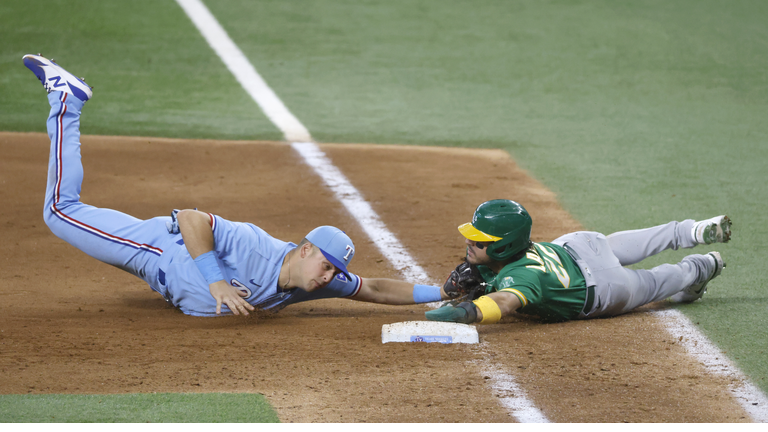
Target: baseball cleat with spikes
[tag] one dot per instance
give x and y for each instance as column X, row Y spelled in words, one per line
column 695, row 292
column 714, row 230
column 55, row 78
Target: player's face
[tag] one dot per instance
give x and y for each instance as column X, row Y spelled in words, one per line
column 477, row 252
column 318, row 271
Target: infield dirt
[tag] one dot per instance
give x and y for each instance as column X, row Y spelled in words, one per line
column 70, row 324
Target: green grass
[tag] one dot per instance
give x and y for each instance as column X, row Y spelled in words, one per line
column 633, row 113
column 137, row 408
column 153, row 73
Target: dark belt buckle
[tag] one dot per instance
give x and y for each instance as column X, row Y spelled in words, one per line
column 590, row 301
column 571, row 252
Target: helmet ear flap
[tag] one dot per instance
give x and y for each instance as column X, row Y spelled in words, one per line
column 507, row 248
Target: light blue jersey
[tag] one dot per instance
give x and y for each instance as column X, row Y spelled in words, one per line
column 248, row 257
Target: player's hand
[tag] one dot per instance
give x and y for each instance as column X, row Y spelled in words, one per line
column 230, row 296
column 465, row 313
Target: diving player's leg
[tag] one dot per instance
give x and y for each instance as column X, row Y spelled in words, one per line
column 619, row 290
column 107, row 235
column 633, row 246
column 65, row 171
column 622, row 290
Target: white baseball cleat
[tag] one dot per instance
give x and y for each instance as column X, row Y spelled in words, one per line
column 714, row 230
column 695, row 292
column 55, row 78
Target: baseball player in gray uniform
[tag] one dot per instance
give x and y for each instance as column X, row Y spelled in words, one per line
column 579, row 275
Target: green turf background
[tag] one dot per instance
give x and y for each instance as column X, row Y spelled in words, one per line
column 137, row 408
column 633, row 113
column 153, row 73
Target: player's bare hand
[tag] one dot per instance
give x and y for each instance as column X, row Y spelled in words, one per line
column 224, row 293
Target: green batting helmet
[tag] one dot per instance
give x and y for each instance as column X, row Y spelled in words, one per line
column 505, row 223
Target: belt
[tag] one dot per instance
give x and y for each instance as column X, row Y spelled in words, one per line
column 590, row 300
column 571, row 252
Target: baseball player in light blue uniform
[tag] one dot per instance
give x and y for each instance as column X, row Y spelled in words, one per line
column 199, row 262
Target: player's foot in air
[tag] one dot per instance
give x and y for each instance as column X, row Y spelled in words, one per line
column 55, row 78
column 695, row 292
column 714, row 230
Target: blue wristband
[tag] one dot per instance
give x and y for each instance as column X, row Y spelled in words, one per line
column 208, row 267
column 426, row 294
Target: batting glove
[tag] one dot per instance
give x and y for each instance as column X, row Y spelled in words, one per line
column 464, row 312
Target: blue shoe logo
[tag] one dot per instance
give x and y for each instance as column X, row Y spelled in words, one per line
column 57, row 83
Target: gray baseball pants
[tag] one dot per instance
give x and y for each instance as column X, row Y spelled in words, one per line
column 618, row 289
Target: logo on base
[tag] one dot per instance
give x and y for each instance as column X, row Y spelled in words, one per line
column 439, row 339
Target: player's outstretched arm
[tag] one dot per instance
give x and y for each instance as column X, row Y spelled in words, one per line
column 487, row 309
column 195, row 228
column 506, row 301
column 465, row 280
column 396, row 292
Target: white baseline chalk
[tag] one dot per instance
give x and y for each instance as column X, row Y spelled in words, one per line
column 754, row 401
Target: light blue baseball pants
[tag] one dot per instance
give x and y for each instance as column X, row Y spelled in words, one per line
column 110, row 236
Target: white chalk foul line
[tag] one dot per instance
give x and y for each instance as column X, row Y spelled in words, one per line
column 511, row 396
column 244, row 71
column 358, row 207
column 754, row 401
column 521, row 408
